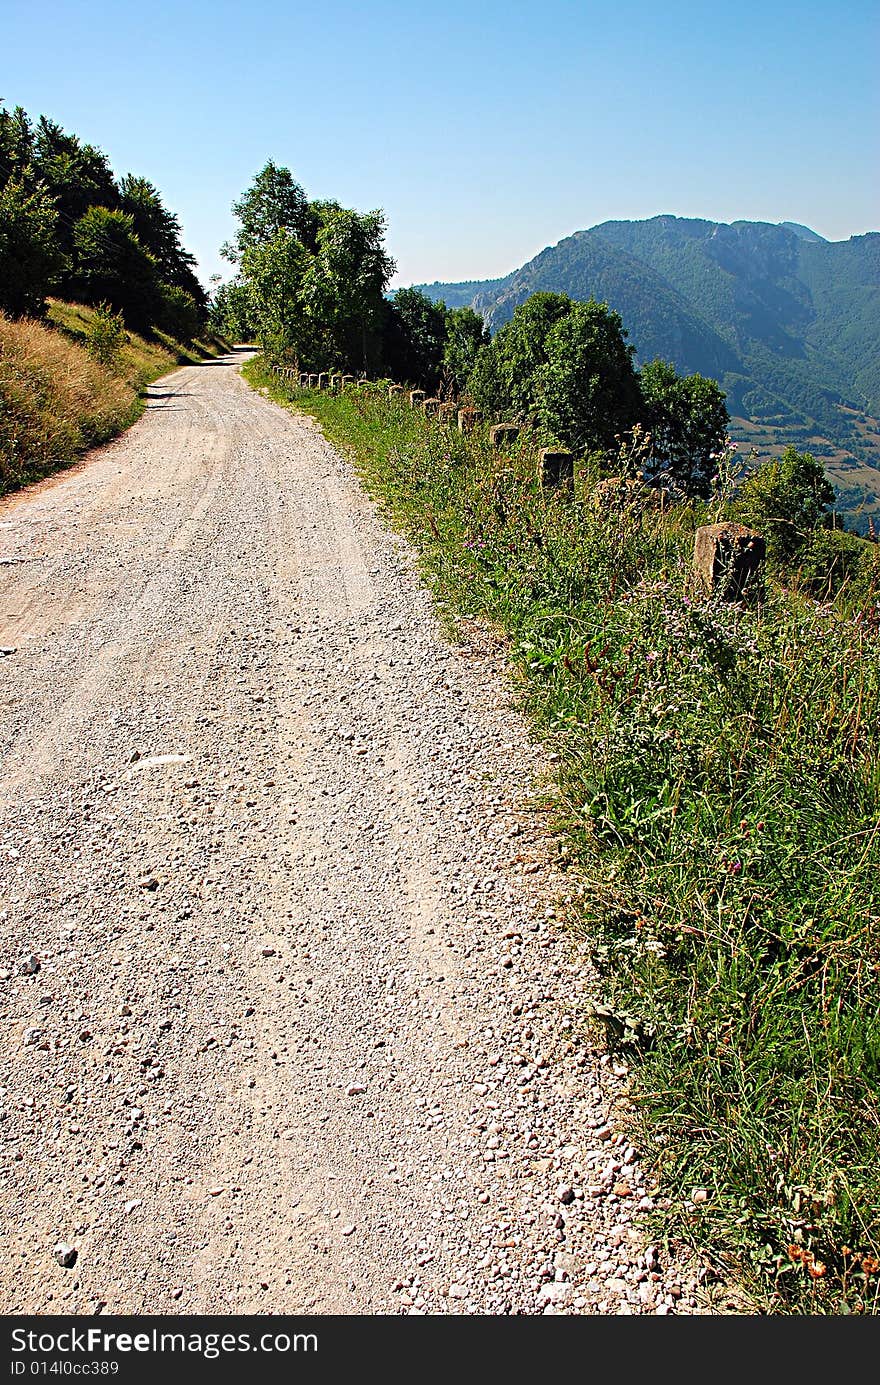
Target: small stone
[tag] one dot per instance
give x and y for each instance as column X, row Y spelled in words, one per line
column 565, row 1194
column 348, row 1230
column 65, row 1255
column 356, row 1089
column 699, row 1195
column 268, row 952
column 148, row 882
column 216, row 1190
column 130, row 1206
column 29, row 966
column 32, row 1036
column 555, row 1293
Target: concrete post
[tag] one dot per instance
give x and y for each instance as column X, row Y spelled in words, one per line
column 415, row 398
column 728, row 560
column 430, row 406
column 447, row 413
column 502, row 434
column 346, row 380
column 394, row 391
column 323, row 380
column 557, row 468
column 468, row 419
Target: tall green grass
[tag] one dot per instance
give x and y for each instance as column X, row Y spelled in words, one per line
column 720, row 789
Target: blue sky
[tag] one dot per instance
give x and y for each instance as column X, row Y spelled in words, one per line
column 486, row 131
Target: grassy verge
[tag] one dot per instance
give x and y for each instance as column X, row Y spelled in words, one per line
column 720, row 776
column 57, row 400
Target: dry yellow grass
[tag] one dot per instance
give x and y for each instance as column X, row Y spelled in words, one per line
column 56, row 401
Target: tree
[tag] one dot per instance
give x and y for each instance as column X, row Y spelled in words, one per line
column 414, row 338
column 158, row 231
column 30, row 259
column 274, row 202
column 231, row 312
column 505, row 376
column 587, row 388
column 466, row 334
column 787, row 499
column 345, row 282
column 111, row 266
column 16, row 143
column 687, row 420
column 273, row 274
column 78, row 176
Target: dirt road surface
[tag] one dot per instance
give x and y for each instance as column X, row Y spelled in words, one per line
column 288, row 1019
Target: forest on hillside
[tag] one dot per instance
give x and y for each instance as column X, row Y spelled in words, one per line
column 70, row 228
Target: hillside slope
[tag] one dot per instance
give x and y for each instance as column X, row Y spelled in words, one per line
column 786, row 321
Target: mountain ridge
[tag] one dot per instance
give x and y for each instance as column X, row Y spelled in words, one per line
column 784, row 319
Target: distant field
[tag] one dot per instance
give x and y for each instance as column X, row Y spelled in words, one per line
column 856, row 478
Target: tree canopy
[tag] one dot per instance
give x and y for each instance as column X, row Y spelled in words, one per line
column 314, row 273
column 67, row 226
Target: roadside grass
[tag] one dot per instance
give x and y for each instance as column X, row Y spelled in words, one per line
column 57, row 400
column 719, row 778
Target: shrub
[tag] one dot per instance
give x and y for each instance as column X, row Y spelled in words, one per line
column 105, row 336
column 178, row 314
column 786, row 499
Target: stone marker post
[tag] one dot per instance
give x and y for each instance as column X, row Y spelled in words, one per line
column 468, row 419
column 502, row 434
column 415, row 398
column 728, row 560
column 557, row 468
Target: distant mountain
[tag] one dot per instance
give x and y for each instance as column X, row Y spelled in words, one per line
column 787, row 322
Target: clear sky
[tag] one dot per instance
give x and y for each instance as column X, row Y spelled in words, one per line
column 486, row 131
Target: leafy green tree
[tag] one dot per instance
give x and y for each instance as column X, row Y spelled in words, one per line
column 16, row 143
column 78, row 176
column 786, row 500
column 415, row 338
column 505, row 375
column 30, row 258
column 466, row 334
column 231, row 312
column 158, row 231
column 111, row 266
column 587, row 389
column 687, row 420
column 274, row 202
column 345, row 283
column 273, row 272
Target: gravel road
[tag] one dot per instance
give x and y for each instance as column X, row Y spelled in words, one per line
column 288, row 1008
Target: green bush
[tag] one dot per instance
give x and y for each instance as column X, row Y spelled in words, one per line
column 105, row 336
column 833, row 561
column 178, row 314
column 786, row 499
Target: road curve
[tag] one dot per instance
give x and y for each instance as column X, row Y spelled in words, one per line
column 286, row 1007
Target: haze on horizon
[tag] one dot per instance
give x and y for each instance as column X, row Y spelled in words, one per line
column 486, row 136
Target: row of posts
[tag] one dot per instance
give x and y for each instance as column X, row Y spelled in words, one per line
column 728, row 557
column 557, row 467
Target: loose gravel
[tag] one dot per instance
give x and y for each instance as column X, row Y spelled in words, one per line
column 290, row 1014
